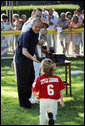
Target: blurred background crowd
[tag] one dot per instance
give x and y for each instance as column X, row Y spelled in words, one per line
column 54, row 21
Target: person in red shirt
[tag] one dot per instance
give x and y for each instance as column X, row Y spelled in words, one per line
column 49, row 87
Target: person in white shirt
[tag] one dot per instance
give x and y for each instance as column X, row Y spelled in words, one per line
column 79, row 15
column 81, row 18
column 63, row 23
column 5, row 39
column 5, row 25
column 36, row 13
column 45, row 14
column 51, row 38
column 55, row 13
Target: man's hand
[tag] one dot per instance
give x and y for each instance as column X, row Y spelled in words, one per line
column 34, row 59
column 28, row 55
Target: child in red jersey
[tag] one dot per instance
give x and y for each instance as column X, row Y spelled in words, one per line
column 49, row 87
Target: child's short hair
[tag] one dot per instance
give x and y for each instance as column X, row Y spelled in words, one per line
column 48, row 67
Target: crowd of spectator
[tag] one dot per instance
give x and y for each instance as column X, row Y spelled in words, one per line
column 54, row 21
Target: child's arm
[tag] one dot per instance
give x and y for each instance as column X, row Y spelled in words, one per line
column 61, row 100
column 34, row 96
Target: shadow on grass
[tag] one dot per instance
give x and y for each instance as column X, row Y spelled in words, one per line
column 7, row 74
column 5, row 83
column 70, row 113
column 77, row 63
column 13, row 114
column 6, row 62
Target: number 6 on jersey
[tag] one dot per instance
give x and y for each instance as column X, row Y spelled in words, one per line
column 50, row 90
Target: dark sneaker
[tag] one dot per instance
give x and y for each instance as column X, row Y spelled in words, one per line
column 51, row 120
column 27, row 105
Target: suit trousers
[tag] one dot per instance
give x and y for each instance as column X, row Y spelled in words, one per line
column 25, row 76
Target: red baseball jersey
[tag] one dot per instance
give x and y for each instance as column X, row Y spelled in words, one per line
column 48, row 87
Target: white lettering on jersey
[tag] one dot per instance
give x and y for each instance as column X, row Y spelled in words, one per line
column 53, row 80
column 50, row 90
column 47, row 80
column 42, row 81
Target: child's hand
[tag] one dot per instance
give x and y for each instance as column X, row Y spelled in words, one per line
column 62, row 103
column 37, row 95
column 33, row 101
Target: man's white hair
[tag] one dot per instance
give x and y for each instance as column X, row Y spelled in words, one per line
column 36, row 20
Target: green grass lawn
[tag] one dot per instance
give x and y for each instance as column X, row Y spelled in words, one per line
column 71, row 114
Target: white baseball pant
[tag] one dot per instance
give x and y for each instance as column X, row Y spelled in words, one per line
column 46, row 106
